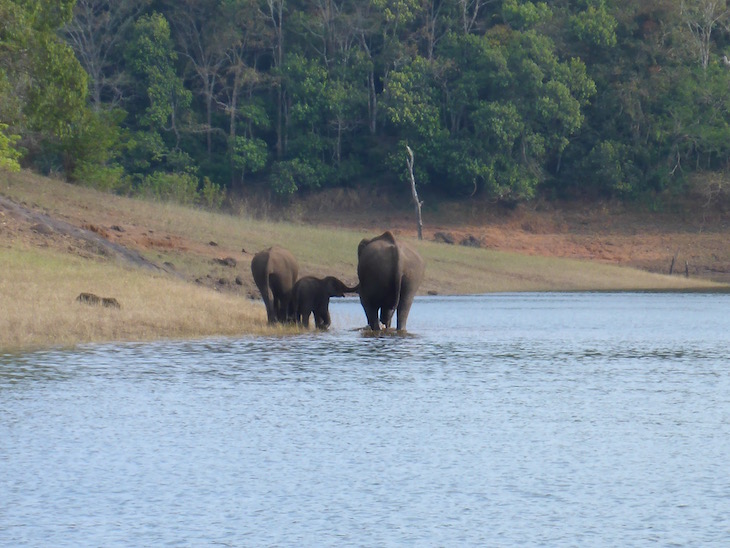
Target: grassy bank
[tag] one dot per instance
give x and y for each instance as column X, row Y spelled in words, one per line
column 42, row 274
column 38, row 289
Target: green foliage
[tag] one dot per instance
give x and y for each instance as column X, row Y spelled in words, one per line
column 595, row 25
column 613, row 97
column 179, row 161
column 249, row 155
column 92, row 142
column 58, row 90
column 493, row 117
column 145, row 151
column 524, row 15
column 181, row 188
column 151, row 56
column 9, row 155
column 292, row 175
column 254, row 114
column 107, row 178
column 48, row 16
column 211, row 195
column 611, row 170
column 42, row 85
column 306, row 81
column 411, row 100
column 396, row 11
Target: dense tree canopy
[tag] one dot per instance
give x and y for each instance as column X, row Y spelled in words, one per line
column 499, row 98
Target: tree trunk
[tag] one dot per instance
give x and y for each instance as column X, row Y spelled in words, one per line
column 232, row 129
column 414, row 193
column 373, row 106
column 209, row 120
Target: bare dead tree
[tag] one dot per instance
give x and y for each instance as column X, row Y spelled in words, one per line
column 203, row 34
column 273, row 11
column 96, row 33
column 410, row 160
column 674, row 259
column 702, row 18
column 470, row 10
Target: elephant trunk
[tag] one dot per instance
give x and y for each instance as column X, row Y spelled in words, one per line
column 338, row 288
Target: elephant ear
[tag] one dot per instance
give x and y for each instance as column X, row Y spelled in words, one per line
column 364, row 242
column 386, row 236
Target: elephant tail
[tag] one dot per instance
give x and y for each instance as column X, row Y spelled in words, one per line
column 398, row 263
column 267, row 294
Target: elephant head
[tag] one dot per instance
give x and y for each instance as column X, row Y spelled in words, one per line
column 390, row 273
column 312, row 296
column 275, row 271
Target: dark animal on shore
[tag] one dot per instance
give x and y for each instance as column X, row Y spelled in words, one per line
column 95, row 300
column 275, row 271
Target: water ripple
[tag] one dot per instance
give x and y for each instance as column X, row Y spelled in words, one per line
column 558, row 419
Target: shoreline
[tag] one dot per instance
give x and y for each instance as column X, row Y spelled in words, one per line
column 69, row 342
column 59, row 240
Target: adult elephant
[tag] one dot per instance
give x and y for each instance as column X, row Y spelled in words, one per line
column 312, row 296
column 275, row 271
column 389, row 273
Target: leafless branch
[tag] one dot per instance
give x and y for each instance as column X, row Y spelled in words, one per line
column 410, row 161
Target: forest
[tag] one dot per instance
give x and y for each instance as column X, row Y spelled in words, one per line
column 507, row 100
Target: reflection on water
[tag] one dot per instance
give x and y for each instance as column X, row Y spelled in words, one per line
column 503, row 420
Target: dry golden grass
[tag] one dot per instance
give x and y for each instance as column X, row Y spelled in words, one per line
column 464, row 270
column 38, row 291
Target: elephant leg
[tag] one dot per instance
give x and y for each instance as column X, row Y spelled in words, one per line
column 323, row 320
column 292, row 311
column 372, row 314
column 268, row 298
column 277, row 311
column 403, row 310
column 386, row 316
column 284, row 312
column 401, row 320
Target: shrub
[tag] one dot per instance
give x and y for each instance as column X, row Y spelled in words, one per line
column 9, row 155
column 101, row 177
column 175, row 187
column 212, row 194
column 249, row 155
column 292, row 175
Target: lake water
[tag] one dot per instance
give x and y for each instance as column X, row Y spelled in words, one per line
column 501, row 420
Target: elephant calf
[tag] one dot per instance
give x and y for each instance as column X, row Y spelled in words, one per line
column 312, row 296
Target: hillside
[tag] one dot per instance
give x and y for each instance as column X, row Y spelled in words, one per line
column 694, row 235
column 196, row 248
column 47, row 225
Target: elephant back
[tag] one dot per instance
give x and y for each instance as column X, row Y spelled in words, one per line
column 379, row 269
column 275, row 264
column 386, row 237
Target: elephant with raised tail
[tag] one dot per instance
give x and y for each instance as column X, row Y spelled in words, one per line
column 275, row 272
column 390, row 273
column 312, row 296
